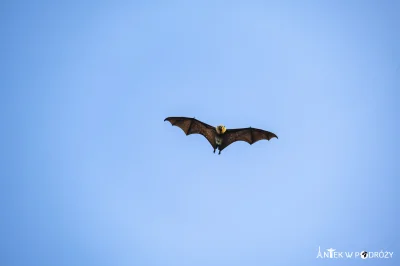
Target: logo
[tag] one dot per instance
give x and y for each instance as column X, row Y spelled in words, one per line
column 332, row 253
column 364, row 255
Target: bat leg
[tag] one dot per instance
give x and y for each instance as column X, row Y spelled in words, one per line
column 216, row 147
column 219, row 152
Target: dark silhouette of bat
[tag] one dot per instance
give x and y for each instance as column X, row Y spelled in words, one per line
column 220, row 137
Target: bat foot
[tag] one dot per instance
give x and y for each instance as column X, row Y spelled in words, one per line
column 214, row 150
column 219, row 153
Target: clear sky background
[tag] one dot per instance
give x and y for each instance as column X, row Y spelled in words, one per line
column 92, row 175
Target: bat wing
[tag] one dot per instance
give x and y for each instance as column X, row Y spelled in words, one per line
column 250, row 135
column 194, row 126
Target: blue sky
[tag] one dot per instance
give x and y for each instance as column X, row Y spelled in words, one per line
column 93, row 176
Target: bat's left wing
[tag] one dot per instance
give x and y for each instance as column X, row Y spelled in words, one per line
column 249, row 135
column 194, row 126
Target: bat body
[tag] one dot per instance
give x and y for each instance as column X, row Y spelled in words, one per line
column 219, row 137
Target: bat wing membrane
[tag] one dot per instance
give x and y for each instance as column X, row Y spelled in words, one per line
column 249, row 135
column 194, row 126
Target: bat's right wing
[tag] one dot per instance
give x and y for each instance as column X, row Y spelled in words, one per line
column 249, row 135
column 194, row 126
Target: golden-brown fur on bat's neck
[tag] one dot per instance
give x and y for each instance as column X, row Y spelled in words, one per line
column 220, row 129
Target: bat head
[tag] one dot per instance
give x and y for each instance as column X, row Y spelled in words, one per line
column 221, row 129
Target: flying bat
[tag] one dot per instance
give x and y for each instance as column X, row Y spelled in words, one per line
column 220, row 137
